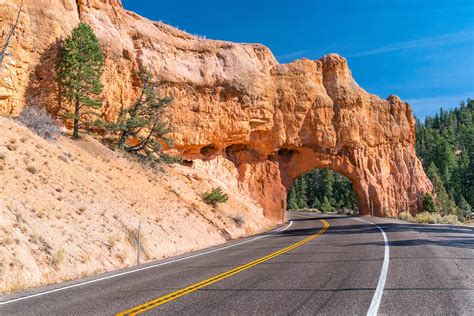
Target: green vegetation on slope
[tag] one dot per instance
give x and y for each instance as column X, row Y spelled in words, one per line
column 445, row 144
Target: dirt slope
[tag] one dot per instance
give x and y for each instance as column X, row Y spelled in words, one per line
column 69, row 209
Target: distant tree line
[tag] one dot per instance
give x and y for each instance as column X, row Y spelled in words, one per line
column 445, row 145
column 322, row 189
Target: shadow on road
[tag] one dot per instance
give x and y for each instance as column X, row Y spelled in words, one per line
column 440, row 235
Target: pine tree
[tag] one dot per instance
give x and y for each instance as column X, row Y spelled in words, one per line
column 311, row 191
column 292, row 203
column 79, row 67
column 301, row 193
column 444, row 159
column 428, row 204
column 465, row 208
column 443, row 201
column 316, row 204
column 143, row 122
column 326, row 205
column 328, row 183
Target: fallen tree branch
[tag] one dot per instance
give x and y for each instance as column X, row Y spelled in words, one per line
column 10, row 35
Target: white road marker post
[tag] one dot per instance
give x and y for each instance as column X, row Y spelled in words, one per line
column 138, row 245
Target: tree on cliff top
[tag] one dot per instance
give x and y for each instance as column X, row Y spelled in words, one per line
column 79, row 67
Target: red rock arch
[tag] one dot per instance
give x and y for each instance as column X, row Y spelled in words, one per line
column 308, row 115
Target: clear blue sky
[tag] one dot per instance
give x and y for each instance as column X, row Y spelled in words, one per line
column 422, row 51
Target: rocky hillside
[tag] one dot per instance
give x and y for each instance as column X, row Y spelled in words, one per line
column 71, row 208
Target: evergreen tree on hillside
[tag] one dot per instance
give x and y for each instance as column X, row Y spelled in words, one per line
column 428, row 204
column 444, row 203
column 326, row 205
column 301, row 192
column 291, row 201
column 444, row 159
column 446, row 141
column 465, row 208
column 79, row 67
column 328, row 180
column 315, row 204
column 143, row 123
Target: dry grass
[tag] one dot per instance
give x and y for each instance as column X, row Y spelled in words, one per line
column 406, row 216
column 16, row 285
column 40, row 121
column 429, row 218
column 112, row 241
column 59, row 258
column 131, row 236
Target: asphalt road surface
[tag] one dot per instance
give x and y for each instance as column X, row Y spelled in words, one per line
column 316, row 264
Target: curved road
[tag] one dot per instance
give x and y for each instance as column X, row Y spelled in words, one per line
column 317, row 264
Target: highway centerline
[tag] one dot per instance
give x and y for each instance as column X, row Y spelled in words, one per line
column 194, row 287
column 115, row 275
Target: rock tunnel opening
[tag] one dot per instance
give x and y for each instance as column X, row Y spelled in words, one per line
column 243, row 153
column 323, row 190
column 209, row 151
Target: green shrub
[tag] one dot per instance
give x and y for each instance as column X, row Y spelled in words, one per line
column 214, row 197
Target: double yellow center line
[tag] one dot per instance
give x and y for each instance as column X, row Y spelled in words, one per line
column 172, row 296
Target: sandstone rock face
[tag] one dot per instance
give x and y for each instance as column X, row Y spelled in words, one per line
column 236, row 107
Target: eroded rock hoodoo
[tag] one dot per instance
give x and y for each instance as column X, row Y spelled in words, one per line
column 237, row 110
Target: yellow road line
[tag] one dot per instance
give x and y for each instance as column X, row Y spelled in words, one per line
column 172, row 296
column 304, row 216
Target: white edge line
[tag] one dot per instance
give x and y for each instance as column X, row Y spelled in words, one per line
column 141, row 269
column 377, row 298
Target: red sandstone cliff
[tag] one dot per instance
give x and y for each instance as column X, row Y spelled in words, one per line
column 236, row 107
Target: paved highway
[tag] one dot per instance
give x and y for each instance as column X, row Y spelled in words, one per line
column 316, row 264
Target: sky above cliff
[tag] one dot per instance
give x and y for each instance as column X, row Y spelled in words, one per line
column 422, row 51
